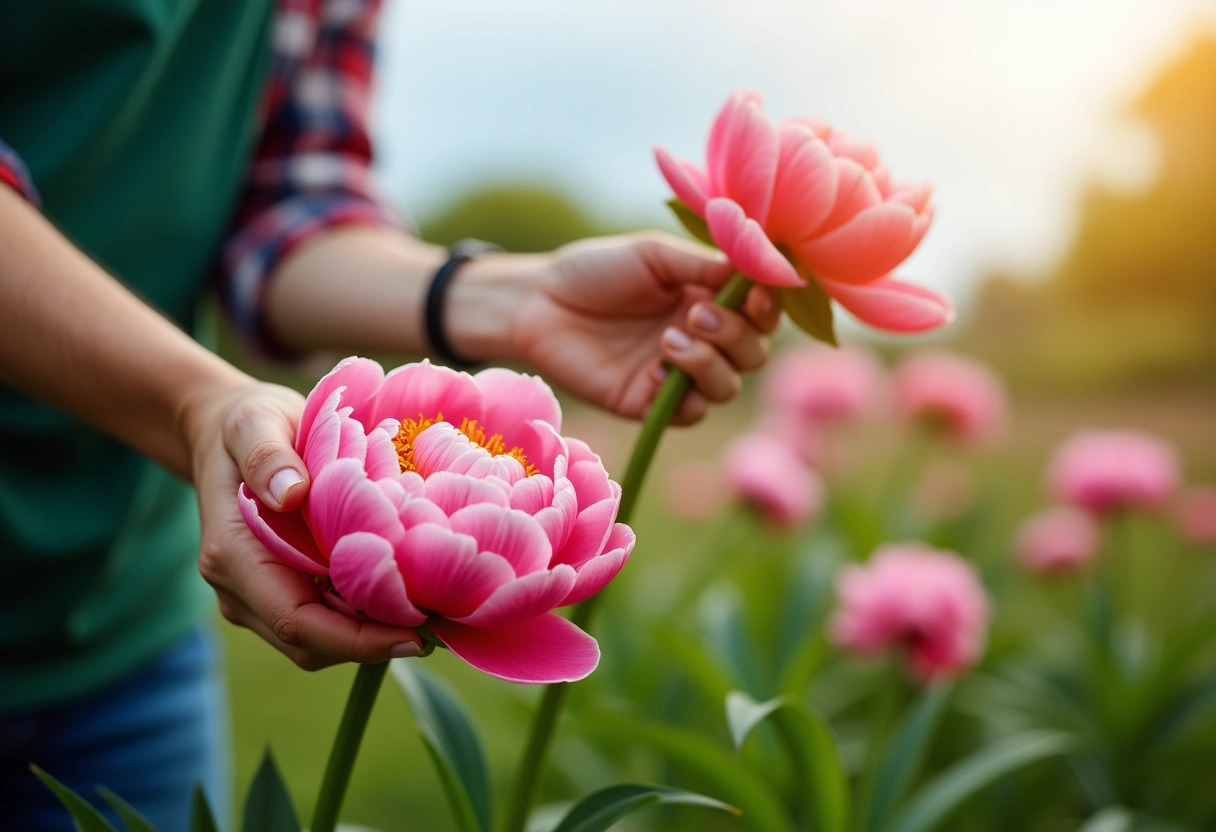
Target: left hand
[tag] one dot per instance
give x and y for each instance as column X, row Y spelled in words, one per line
column 602, row 306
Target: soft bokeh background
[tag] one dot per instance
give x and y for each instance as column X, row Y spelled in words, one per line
column 1072, row 146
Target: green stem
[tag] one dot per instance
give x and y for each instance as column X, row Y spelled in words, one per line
column 346, row 745
column 664, row 406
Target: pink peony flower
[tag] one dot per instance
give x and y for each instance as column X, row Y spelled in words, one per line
column 1105, row 471
column 1195, row 515
column 767, row 473
column 958, row 397
column 825, row 386
column 452, row 500
column 803, row 193
column 927, row 602
column 1057, row 541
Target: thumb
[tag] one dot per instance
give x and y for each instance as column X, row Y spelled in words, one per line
column 258, row 437
column 678, row 261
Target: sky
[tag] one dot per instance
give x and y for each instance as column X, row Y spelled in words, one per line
column 1007, row 106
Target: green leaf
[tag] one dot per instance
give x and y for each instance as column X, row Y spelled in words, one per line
column 810, row 309
column 86, row 817
column 760, row 807
column 820, row 777
column 946, row 792
column 600, row 810
column 1110, row 819
column 130, row 815
column 268, row 806
column 201, row 819
column 904, row 755
column 451, row 740
column 693, row 222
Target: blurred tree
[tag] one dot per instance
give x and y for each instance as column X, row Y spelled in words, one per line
column 516, row 217
column 1135, row 297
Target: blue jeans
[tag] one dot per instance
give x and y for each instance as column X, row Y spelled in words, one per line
column 148, row 738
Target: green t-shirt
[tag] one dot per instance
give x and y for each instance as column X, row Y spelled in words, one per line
column 136, row 119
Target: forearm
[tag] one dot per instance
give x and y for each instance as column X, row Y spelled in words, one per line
column 363, row 289
column 74, row 337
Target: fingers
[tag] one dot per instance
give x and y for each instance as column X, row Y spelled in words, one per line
column 734, row 336
column 675, row 261
column 708, row 368
column 259, row 436
column 762, row 309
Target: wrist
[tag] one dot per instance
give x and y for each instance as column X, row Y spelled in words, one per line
column 484, row 301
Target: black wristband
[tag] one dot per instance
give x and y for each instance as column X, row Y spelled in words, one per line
column 436, row 298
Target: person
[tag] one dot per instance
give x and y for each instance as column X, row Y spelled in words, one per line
column 146, row 143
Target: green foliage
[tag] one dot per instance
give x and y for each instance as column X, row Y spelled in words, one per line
column 268, row 805
column 201, row 819
column 810, row 309
column 134, row 821
column 87, row 818
column 452, row 742
column 600, row 810
column 693, row 222
column 515, row 216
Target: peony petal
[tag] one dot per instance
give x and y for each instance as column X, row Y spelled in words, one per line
column 444, row 572
column 742, row 155
column 284, row 534
column 856, row 190
column 805, row 189
column 452, row 492
column 690, row 185
column 590, row 531
column 544, row 650
column 587, row 474
column 364, row 572
column 428, row 390
column 892, row 305
column 523, row 598
column 595, row 574
column 743, row 241
column 867, row 247
column 558, row 519
column 532, row 494
column 511, row 402
column 381, row 461
column 360, row 376
column 343, row 500
column 324, row 434
column 503, row 531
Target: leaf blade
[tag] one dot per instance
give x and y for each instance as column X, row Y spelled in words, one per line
column 201, row 818
column 600, row 810
column 88, row 818
column 134, row 821
column 452, row 743
column 693, row 222
column 268, row 806
column 812, row 748
column 904, row 755
column 810, row 308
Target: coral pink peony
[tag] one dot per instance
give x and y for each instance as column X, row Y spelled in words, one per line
column 1195, row 514
column 925, row 601
column 1104, row 471
column 825, row 386
column 958, row 397
column 767, row 473
column 452, row 500
column 802, row 193
column 1056, row 541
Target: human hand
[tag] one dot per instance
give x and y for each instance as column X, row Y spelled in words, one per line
column 605, row 313
column 246, row 434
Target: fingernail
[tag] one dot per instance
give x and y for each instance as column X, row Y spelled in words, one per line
column 706, row 318
column 404, row 650
column 282, row 482
column 659, row 373
column 676, row 340
column 721, row 257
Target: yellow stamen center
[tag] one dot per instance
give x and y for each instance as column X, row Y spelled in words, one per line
column 492, row 444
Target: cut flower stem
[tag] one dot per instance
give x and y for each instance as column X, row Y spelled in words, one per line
column 346, row 745
column 662, row 409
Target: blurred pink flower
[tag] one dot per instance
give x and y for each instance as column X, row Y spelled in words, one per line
column 695, row 490
column 1196, row 514
column 1104, row 471
column 945, row 489
column 767, row 473
column 956, row 396
column 1057, row 540
column 825, row 386
column 927, row 602
column 802, row 191
column 452, row 500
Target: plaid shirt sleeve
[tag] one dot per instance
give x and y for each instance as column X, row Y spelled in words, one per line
column 14, row 175
column 311, row 166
